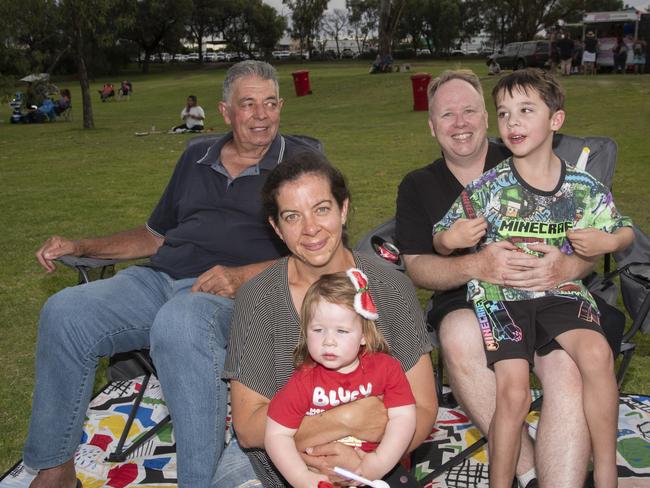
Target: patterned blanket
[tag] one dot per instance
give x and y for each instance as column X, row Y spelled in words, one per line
column 154, row 463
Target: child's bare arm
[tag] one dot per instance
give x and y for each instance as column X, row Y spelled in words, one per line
column 591, row 242
column 462, row 234
column 281, row 448
column 399, row 431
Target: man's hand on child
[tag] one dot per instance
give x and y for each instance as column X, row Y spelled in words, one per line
column 465, row 233
column 323, row 458
column 591, row 242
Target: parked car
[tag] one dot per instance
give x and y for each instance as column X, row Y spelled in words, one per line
column 457, row 52
column 210, row 57
column 281, row 54
column 347, row 53
column 192, row 57
column 519, row 55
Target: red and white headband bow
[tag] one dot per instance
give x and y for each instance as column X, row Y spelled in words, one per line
column 363, row 302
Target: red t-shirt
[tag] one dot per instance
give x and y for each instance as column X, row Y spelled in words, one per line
column 313, row 390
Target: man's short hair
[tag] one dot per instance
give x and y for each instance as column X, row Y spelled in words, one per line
column 459, row 74
column 544, row 83
column 243, row 69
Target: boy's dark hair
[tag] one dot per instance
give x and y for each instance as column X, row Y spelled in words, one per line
column 544, row 83
column 192, row 97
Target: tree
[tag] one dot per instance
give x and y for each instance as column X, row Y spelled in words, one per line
column 156, row 23
column 363, row 15
column 334, row 23
column 443, row 21
column 522, row 20
column 413, row 22
column 87, row 23
column 205, row 16
column 389, row 15
column 248, row 23
column 267, row 28
column 306, row 16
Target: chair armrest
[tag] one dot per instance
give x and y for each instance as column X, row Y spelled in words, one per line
column 84, row 265
column 89, row 263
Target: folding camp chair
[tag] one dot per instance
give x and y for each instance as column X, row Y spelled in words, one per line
column 129, row 365
column 633, row 271
column 122, row 366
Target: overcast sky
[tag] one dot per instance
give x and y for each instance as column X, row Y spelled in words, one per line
column 333, row 4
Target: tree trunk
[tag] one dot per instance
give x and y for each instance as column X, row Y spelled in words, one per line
column 384, row 28
column 389, row 14
column 56, row 60
column 199, row 43
column 145, row 62
column 88, row 121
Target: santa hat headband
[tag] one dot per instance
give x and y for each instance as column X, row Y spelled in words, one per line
column 363, row 302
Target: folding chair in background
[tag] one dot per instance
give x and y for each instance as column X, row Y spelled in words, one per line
column 633, row 273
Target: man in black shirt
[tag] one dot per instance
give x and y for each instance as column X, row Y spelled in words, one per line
column 458, row 120
column 205, row 238
column 566, row 46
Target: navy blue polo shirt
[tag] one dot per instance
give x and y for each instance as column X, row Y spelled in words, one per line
column 208, row 218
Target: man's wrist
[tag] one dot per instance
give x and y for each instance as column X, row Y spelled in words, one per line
column 81, row 247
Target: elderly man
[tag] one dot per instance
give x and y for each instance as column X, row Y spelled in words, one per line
column 206, row 237
column 459, row 121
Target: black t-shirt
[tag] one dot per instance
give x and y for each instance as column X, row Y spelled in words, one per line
column 591, row 43
column 425, row 195
column 565, row 46
column 209, row 219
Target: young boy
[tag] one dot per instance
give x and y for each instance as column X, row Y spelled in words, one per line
column 530, row 198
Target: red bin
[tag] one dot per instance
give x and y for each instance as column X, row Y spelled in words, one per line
column 301, row 83
column 420, row 82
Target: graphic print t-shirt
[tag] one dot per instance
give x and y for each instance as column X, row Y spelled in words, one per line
column 524, row 215
column 313, row 390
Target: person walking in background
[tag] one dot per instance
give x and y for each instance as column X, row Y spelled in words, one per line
column 576, row 61
column 639, row 56
column 554, row 58
column 589, row 53
column 192, row 115
column 620, row 55
column 565, row 47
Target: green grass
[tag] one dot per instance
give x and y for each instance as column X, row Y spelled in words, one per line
column 60, row 179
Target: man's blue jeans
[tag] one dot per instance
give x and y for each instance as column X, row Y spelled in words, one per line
column 187, row 334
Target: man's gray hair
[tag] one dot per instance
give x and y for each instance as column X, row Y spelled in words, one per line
column 244, row 69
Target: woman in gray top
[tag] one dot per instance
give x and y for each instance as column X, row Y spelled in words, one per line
column 306, row 200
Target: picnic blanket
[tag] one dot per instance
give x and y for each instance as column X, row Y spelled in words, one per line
column 154, row 463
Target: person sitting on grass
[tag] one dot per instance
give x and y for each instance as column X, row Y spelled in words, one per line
column 107, row 91
column 63, row 103
column 126, row 87
column 192, row 115
column 340, row 357
column 529, row 198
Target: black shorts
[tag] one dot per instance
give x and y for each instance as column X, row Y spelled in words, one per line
column 612, row 320
column 515, row 330
column 445, row 302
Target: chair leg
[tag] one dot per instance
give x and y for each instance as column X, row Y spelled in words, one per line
column 625, row 362
column 120, row 454
column 468, row 451
column 439, row 375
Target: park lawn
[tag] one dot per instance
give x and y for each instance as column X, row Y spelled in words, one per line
column 60, row 179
